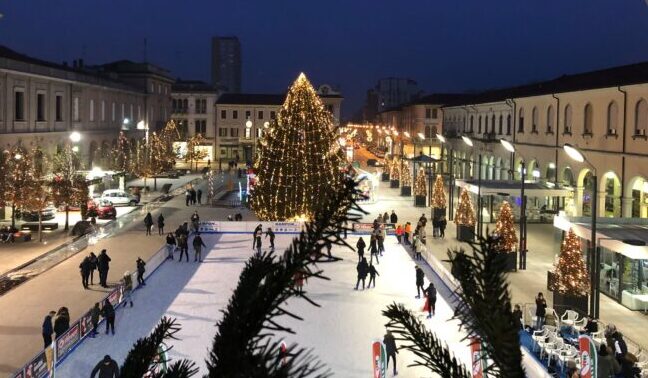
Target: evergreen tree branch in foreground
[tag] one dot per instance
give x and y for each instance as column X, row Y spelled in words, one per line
column 431, row 352
column 483, row 306
column 149, row 350
column 244, row 345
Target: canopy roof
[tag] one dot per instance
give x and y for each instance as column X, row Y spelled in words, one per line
column 513, row 188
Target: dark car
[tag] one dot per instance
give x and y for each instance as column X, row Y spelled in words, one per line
column 103, row 210
column 32, row 216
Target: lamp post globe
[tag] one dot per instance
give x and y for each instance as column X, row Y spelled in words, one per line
column 75, row 137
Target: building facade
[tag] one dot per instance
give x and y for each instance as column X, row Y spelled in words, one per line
column 42, row 102
column 388, row 93
column 603, row 113
column 241, row 119
column 226, row 64
column 193, row 109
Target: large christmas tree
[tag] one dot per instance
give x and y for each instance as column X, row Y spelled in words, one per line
column 571, row 276
column 505, row 229
column 298, row 158
column 465, row 214
column 438, row 194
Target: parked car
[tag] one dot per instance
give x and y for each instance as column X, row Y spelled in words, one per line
column 32, row 216
column 119, row 198
column 103, row 209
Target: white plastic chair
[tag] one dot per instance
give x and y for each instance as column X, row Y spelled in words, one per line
column 569, row 353
column 579, row 325
column 569, row 318
column 539, row 335
column 598, row 337
column 549, row 344
column 553, row 351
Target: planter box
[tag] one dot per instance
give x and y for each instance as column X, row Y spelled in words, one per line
column 406, row 191
column 385, row 176
column 511, row 261
column 562, row 303
column 394, row 183
column 420, row 201
column 465, row 233
column 438, row 212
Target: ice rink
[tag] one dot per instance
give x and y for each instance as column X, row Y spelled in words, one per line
column 340, row 332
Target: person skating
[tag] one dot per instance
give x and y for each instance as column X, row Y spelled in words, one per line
column 103, row 265
column 183, row 245
column 380, row 239
column 373, row 249
column 127, row 281
column 141, row 268
column 420, row 281
column 93, row 266
column 198, row 244
column 271, row 234
column 419, row 248
column 406, row 233
column 62, row 322
column 431, row 296
column 255, row 236
column 199, row 196
column 399, row 233
column 195, row 220
column 84, row 268
column 160, row 224
column 108, row 312
column 48, row 329
column 94, row 318
column 390, row 348
column 360, row 246
column 171, row 245
column 372, row 275
column 148, row 222
column 393, row 218
column 362, row 268
column 107, row 368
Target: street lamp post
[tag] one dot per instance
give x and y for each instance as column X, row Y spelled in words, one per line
column 523, row 221
column 470, row 143
column 594, row 256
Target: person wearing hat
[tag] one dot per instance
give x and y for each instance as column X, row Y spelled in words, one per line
column 107, row 368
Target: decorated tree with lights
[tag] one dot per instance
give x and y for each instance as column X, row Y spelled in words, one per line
column 121, row 154
column 5, row 161
column 438, row 193
column 505, row 229
column 298, row 158
column 67, row 186
column 406, row 176
column 194, row 153
column 570, row 272
column 465, row 214
column 420, row 186
column 394, row 173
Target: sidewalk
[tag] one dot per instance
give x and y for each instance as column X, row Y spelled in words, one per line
column 525, row 284
column 22, row 309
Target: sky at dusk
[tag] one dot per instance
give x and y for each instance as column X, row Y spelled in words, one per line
column 445, row 45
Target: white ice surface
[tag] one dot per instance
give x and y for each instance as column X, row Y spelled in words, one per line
column 340, row 332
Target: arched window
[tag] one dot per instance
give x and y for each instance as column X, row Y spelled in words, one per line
column 641, row 117
column 493, row 124
column 521, row 121
column 472, row 119
column 479, row 126
column 508, row 125
column 612, row 118
column 568, row 120
column 588, row 119
column 534, row 120
column 550, row 119
column 485, row 124
column 501, row 119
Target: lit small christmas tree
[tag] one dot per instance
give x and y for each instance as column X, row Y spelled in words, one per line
column 505, row 229
column 438, row 193
column 420, row 186
column 121, row 155
column 298, row 159
column 465, row 214
column 395, row 170
column 406, row 176
column 571, row 275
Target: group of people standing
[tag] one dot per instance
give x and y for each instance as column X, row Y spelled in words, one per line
column 91, row 263
column 193, row 196
column 148, row 223
column 180, row 241
column 256, row 238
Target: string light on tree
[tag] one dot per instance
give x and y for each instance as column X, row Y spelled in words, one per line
column 298, row 158
column 505, row 228
column 438, row 193
column 395, row 171
column 465, row 214
column 571, row 275
column 406, row 176
column 420, row 186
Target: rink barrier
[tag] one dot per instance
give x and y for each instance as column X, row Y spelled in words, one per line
column 40, row 366
column 248, row 227
column 532, row 366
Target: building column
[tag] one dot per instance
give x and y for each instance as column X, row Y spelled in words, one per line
column 601, row 204
column 626, row 207
column 578, row 201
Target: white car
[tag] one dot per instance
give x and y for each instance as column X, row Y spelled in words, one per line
column 119, row 197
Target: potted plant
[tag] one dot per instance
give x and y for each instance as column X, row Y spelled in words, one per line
column 465, row 218
column 571, row 285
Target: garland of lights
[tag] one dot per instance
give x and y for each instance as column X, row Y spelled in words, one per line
column 438, row 193
column 298, row 159
column 572, row 277
column 465, row 214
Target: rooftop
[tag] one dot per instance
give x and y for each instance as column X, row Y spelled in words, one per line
column 258, row 98
column 192, row 86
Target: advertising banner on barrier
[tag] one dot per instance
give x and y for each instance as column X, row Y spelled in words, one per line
column 368, row 227
column 37, row 368
column 209, row 226
column 475, row 352
column 115, row 296
column 291, row 227
column 588, row 357
column 20, row 374
column 86, row 323
column 379, row 359
column 67, row 341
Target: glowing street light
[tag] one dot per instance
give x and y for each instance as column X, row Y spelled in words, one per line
column 421, row 136
column 574, row 153
column 75, row 137
column 467, row 140
column 441, row 138
column 507, row 145
column 248, row 124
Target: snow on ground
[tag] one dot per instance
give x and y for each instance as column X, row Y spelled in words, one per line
column 340, row 332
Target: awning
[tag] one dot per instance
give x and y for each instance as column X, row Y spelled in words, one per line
column 513, row 188
column 616, row 234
